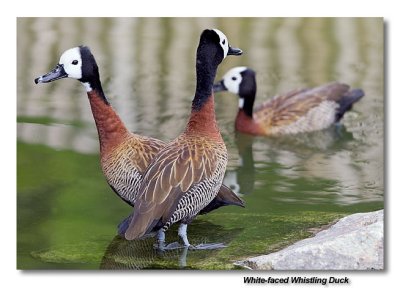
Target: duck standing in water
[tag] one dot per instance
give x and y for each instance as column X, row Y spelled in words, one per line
column 124, row 156
column 187, row 173
column 298, row 111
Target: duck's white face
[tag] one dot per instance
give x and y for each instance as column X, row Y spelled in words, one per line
column 69, row 66
column 233, row 78
column 223, row 41
column 72, row 63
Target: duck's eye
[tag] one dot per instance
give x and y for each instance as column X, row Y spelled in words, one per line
column 223, row 42
column 75, row 62
column 234, row 78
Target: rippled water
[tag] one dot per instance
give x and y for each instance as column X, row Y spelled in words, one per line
column 67, row 215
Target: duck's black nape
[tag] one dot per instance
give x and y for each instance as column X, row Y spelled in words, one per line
column 248, row 90
column 90, row 71
column 209, row 55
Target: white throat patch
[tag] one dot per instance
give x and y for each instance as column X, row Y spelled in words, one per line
column 87, row 86
column 241, row 102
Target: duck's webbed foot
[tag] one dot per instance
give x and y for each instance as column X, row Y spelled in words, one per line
column 162, row 246
column 209, row 246
column 182, row 232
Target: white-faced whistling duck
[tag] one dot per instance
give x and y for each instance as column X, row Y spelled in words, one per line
column 187, row 173
column 124, row 155
column 298, row 111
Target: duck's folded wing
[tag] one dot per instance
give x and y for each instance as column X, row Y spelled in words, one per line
column 172, row 173
column 125, row 165
column 286, row 109
column 143, row 150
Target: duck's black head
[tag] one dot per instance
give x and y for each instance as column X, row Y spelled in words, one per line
column 77, row 63
column 242, row 82
column 214, row 46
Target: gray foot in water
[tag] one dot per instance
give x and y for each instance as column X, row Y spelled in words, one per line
column 209, row 246
column 203, row 246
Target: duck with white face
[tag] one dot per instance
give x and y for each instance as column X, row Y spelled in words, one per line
column 70, row 65
column 124, row 155
column 76, row 63
column 188, row 172
column 297, row 111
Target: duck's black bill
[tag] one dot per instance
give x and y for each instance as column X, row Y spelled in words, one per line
column 234, row 51
column 55, row 74
column 219, row 86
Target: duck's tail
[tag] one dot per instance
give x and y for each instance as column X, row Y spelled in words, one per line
column 224, row 197
column 347, row 101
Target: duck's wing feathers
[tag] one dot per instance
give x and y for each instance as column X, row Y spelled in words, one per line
column 145, row 149
column 125, row 165
column 285, row 109
column 173, row 172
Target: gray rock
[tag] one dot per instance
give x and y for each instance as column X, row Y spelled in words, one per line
column 354, row 243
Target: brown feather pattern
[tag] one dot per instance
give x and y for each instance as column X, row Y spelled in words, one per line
column 300, row 110
column 124, row 155
column 175, row 182
column 124, row 165
column 186, row 175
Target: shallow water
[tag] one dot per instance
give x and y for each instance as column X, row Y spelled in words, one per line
column 67, row 215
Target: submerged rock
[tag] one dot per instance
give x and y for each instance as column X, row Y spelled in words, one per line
column 354, row 243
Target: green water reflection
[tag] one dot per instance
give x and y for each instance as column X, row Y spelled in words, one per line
column 67, row 214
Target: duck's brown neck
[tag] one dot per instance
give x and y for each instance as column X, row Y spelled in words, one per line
column 246, row 124
column 203, row 121
column 110, row 128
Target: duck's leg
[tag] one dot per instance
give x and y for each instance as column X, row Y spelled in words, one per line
column 160, row 240
column 175, row 245
column 182, row 232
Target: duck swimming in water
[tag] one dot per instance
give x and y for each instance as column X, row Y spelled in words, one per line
column 297, row 111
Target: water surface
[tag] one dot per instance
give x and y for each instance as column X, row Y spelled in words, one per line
column 67, row 214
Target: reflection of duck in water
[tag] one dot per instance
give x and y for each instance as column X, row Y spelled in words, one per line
column 298, row 111
column 140, row 254
column 304, row 110
column 241, row 180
